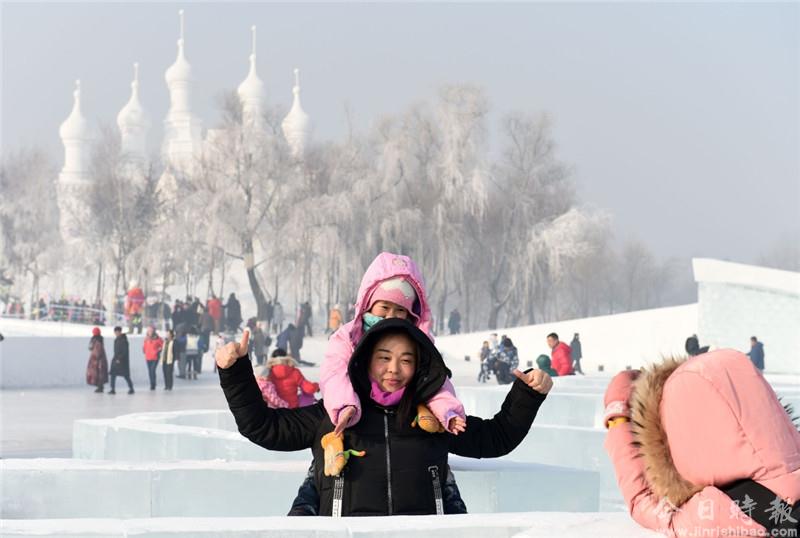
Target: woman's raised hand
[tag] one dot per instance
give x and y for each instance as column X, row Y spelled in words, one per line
column 227, row 354
column 538, row 380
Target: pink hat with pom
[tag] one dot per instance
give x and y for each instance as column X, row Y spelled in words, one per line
column 395, row 290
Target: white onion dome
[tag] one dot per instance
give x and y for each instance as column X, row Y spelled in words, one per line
column 132, row 116
column 252, row 88
column 75, row 127
column 297, row 124
column 180, row 71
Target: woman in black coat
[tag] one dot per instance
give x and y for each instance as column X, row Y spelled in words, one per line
column 120, row 363
column 394, row 368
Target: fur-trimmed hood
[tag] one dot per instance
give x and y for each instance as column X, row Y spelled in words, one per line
column 709, row 421
column 660, row 472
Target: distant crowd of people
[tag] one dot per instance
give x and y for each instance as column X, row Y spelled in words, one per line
column 69, row 310
column 756, row 352
column 191, row 329
column 500, row 358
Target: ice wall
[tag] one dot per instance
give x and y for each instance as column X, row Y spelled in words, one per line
column 59, row 488
column 738, row 301
column 525, row 525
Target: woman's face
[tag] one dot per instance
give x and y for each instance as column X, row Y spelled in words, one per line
column 393, row 362
column 386, row 310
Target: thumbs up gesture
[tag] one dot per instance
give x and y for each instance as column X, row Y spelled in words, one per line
column 538, row 380
column 227, row 354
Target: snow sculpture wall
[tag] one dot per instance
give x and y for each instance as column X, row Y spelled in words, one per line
column 738, row 301
column 35, row 361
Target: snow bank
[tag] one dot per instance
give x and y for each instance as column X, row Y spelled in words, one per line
column 631, row 339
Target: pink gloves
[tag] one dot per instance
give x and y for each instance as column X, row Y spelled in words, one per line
column 618, row 395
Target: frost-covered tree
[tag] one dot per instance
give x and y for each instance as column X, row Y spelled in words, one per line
column 240, row 185
column 29, row 234
column 123, row 209
column 530, row 188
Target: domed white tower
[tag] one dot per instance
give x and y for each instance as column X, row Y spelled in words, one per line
column 133, row 123
column 297, row 125
column 74, row 180
column 252, row 93
column 181, row 129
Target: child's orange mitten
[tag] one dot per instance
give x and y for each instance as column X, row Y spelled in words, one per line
column 335, row 455
column 427, row 420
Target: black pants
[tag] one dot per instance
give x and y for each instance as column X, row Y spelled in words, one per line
column 125, row 377
column 168, row 368
column 151, row 371
column 191, row 364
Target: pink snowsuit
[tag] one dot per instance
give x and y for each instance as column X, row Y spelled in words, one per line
column 703, row 424
column 337, row 391
column 269, row 394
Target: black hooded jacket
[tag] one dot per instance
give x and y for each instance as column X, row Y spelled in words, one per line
column 120, row 363
column 404, row 469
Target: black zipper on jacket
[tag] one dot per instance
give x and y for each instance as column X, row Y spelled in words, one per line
column 437, row 489
column 388, row 461
column 338, row 494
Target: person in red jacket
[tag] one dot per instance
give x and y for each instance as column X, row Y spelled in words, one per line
column 152, row 350
column 561, row 359
column 288, row 379
column 214, row 306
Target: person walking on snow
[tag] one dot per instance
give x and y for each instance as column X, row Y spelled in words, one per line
column 277, row 318
column 576, row 354
column 152, row 351
column 233, row 313
column 756, row 353
column 120, row 363
column 97, row 367
column 167, row 359
column 561, row 358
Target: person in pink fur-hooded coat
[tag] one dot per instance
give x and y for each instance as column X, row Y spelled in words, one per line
column 704, row 445
column 395, row 279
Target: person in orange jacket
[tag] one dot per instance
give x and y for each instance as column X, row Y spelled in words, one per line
column 335, row 319
column 152, row 350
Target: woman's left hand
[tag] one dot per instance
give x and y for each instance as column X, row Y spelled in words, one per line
column 538, row 380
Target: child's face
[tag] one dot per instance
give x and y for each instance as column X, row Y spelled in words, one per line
column 393, row 362
column 386, row 310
